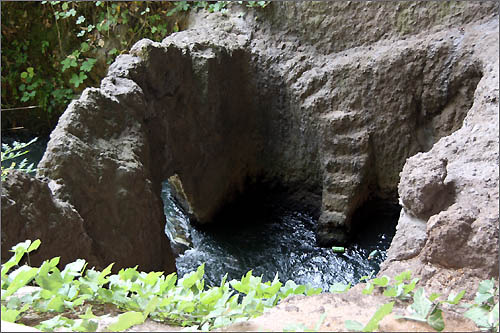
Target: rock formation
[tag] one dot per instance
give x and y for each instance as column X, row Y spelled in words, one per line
column 325, row 98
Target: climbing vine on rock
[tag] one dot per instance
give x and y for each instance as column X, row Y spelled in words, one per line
column 52, row 50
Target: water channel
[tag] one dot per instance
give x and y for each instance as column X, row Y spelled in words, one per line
column 269, row 237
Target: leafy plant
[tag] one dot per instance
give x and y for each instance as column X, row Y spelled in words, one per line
column 10, row 152
column 139, row 295
column 372, row 324
column 484, row 311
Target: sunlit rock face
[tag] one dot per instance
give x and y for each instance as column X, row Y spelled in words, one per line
column 298, row 94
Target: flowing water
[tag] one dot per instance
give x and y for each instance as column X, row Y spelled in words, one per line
column 269, row 238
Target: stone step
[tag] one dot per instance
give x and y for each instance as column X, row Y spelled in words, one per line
column 341, row 121
column 332, row 219
column 335, row 202
column 342, row 183
column 343, row 163
column 348, row 143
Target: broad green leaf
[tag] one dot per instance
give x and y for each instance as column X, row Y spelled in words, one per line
column 23, row 276
column 189, row 280
column 9, row 315
column 391, row 292
column 186, row 306
column 76, row 80
column 102, row 276
column 126, row 320
column 88, row 64
column 300, row 289
column 211, row 296
column 435, row 320
column 454, row 299
column 353, row 325
column 486, row 286
column 339, row 287
column 410, row 287
column 129, row 274
column 80, row 20
column 152, row 305
column 169, row 283
column 434, row 296
column 34, row 246
column 383, row 311
column 478, row 315
column 368, row 289
column 493, row 316
column 421, row 305
column 88, row 313
column 56, row 304
column 381, row 281
column 313, row 291
column 404, row 276
column 73, row 270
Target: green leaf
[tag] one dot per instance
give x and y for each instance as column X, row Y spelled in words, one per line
column 56, row 304
column 368, row 289
column 88, row 313
column 69, row 62
column 22, row 277
column 126, row 320
column 152, row 305
column 80, row 19
column 73, row 270
column 478, row 315
column 434, row 296
column 339, row 287
column 34, row 246
column 404, row 276
column 211, row 296
column 381, row 281
column 493, row 316
column 383, row 311
column 454, row 299
column 353, row 325
column 435, row 320
column 486, row 286
column 88, row 64
column 421, row 305
column 76, row 80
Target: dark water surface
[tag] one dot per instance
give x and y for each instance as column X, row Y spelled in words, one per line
column 269, row 238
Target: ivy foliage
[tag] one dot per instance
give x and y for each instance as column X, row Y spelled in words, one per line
column 428, row 309
column 52, row 50
column 72, row 291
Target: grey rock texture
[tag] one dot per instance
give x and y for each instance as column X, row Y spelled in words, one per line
column 100, row 160
column 448, row 230
column 56, row 223
column 300, row 94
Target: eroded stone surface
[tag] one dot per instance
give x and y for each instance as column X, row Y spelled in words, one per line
column 29, row 211
column 460, row 246
column 254, row 96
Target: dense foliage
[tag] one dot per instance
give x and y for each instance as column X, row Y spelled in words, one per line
column 52, row 50
column 69, row 296
column 187, row 301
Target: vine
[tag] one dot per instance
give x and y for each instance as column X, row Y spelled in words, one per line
column 71, row 44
